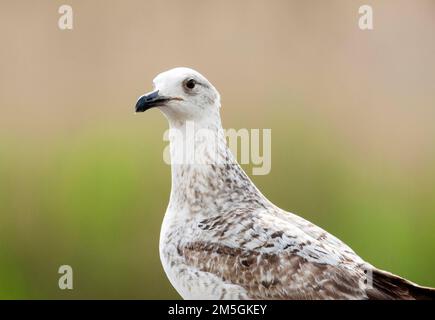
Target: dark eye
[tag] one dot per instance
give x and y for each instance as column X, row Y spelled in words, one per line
column 190, row 84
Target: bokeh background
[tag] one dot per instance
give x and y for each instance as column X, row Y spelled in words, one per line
column 82, row 178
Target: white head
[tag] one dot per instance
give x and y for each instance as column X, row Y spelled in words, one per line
column 182, row 94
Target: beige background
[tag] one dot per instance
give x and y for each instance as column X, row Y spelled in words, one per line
column 82, row 180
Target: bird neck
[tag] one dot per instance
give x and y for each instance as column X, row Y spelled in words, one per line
column 206, row 177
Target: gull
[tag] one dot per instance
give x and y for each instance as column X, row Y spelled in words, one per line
column 221, row 238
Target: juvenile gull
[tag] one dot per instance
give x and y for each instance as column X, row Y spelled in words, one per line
column 222, row 239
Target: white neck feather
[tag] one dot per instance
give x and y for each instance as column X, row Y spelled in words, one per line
column 206, row 178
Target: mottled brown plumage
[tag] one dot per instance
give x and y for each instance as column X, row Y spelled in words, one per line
column 222, row 239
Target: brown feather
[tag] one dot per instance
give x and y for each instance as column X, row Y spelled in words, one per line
column 387, row 286
column 274, row 276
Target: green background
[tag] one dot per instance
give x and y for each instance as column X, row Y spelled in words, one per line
column 82, row 178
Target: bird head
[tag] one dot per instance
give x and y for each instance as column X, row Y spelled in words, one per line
column 182, row 94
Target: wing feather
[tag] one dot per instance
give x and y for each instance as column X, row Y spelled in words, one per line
column 274, row 276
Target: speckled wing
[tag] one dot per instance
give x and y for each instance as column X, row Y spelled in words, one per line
column 276, row 255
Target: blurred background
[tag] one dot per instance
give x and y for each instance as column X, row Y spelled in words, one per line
column 82, row 178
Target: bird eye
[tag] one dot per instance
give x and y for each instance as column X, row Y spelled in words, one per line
column 190, row 84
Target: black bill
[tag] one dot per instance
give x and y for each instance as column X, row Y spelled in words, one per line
column 150, row 100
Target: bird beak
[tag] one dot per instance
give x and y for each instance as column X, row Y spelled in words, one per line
column 150, row 100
